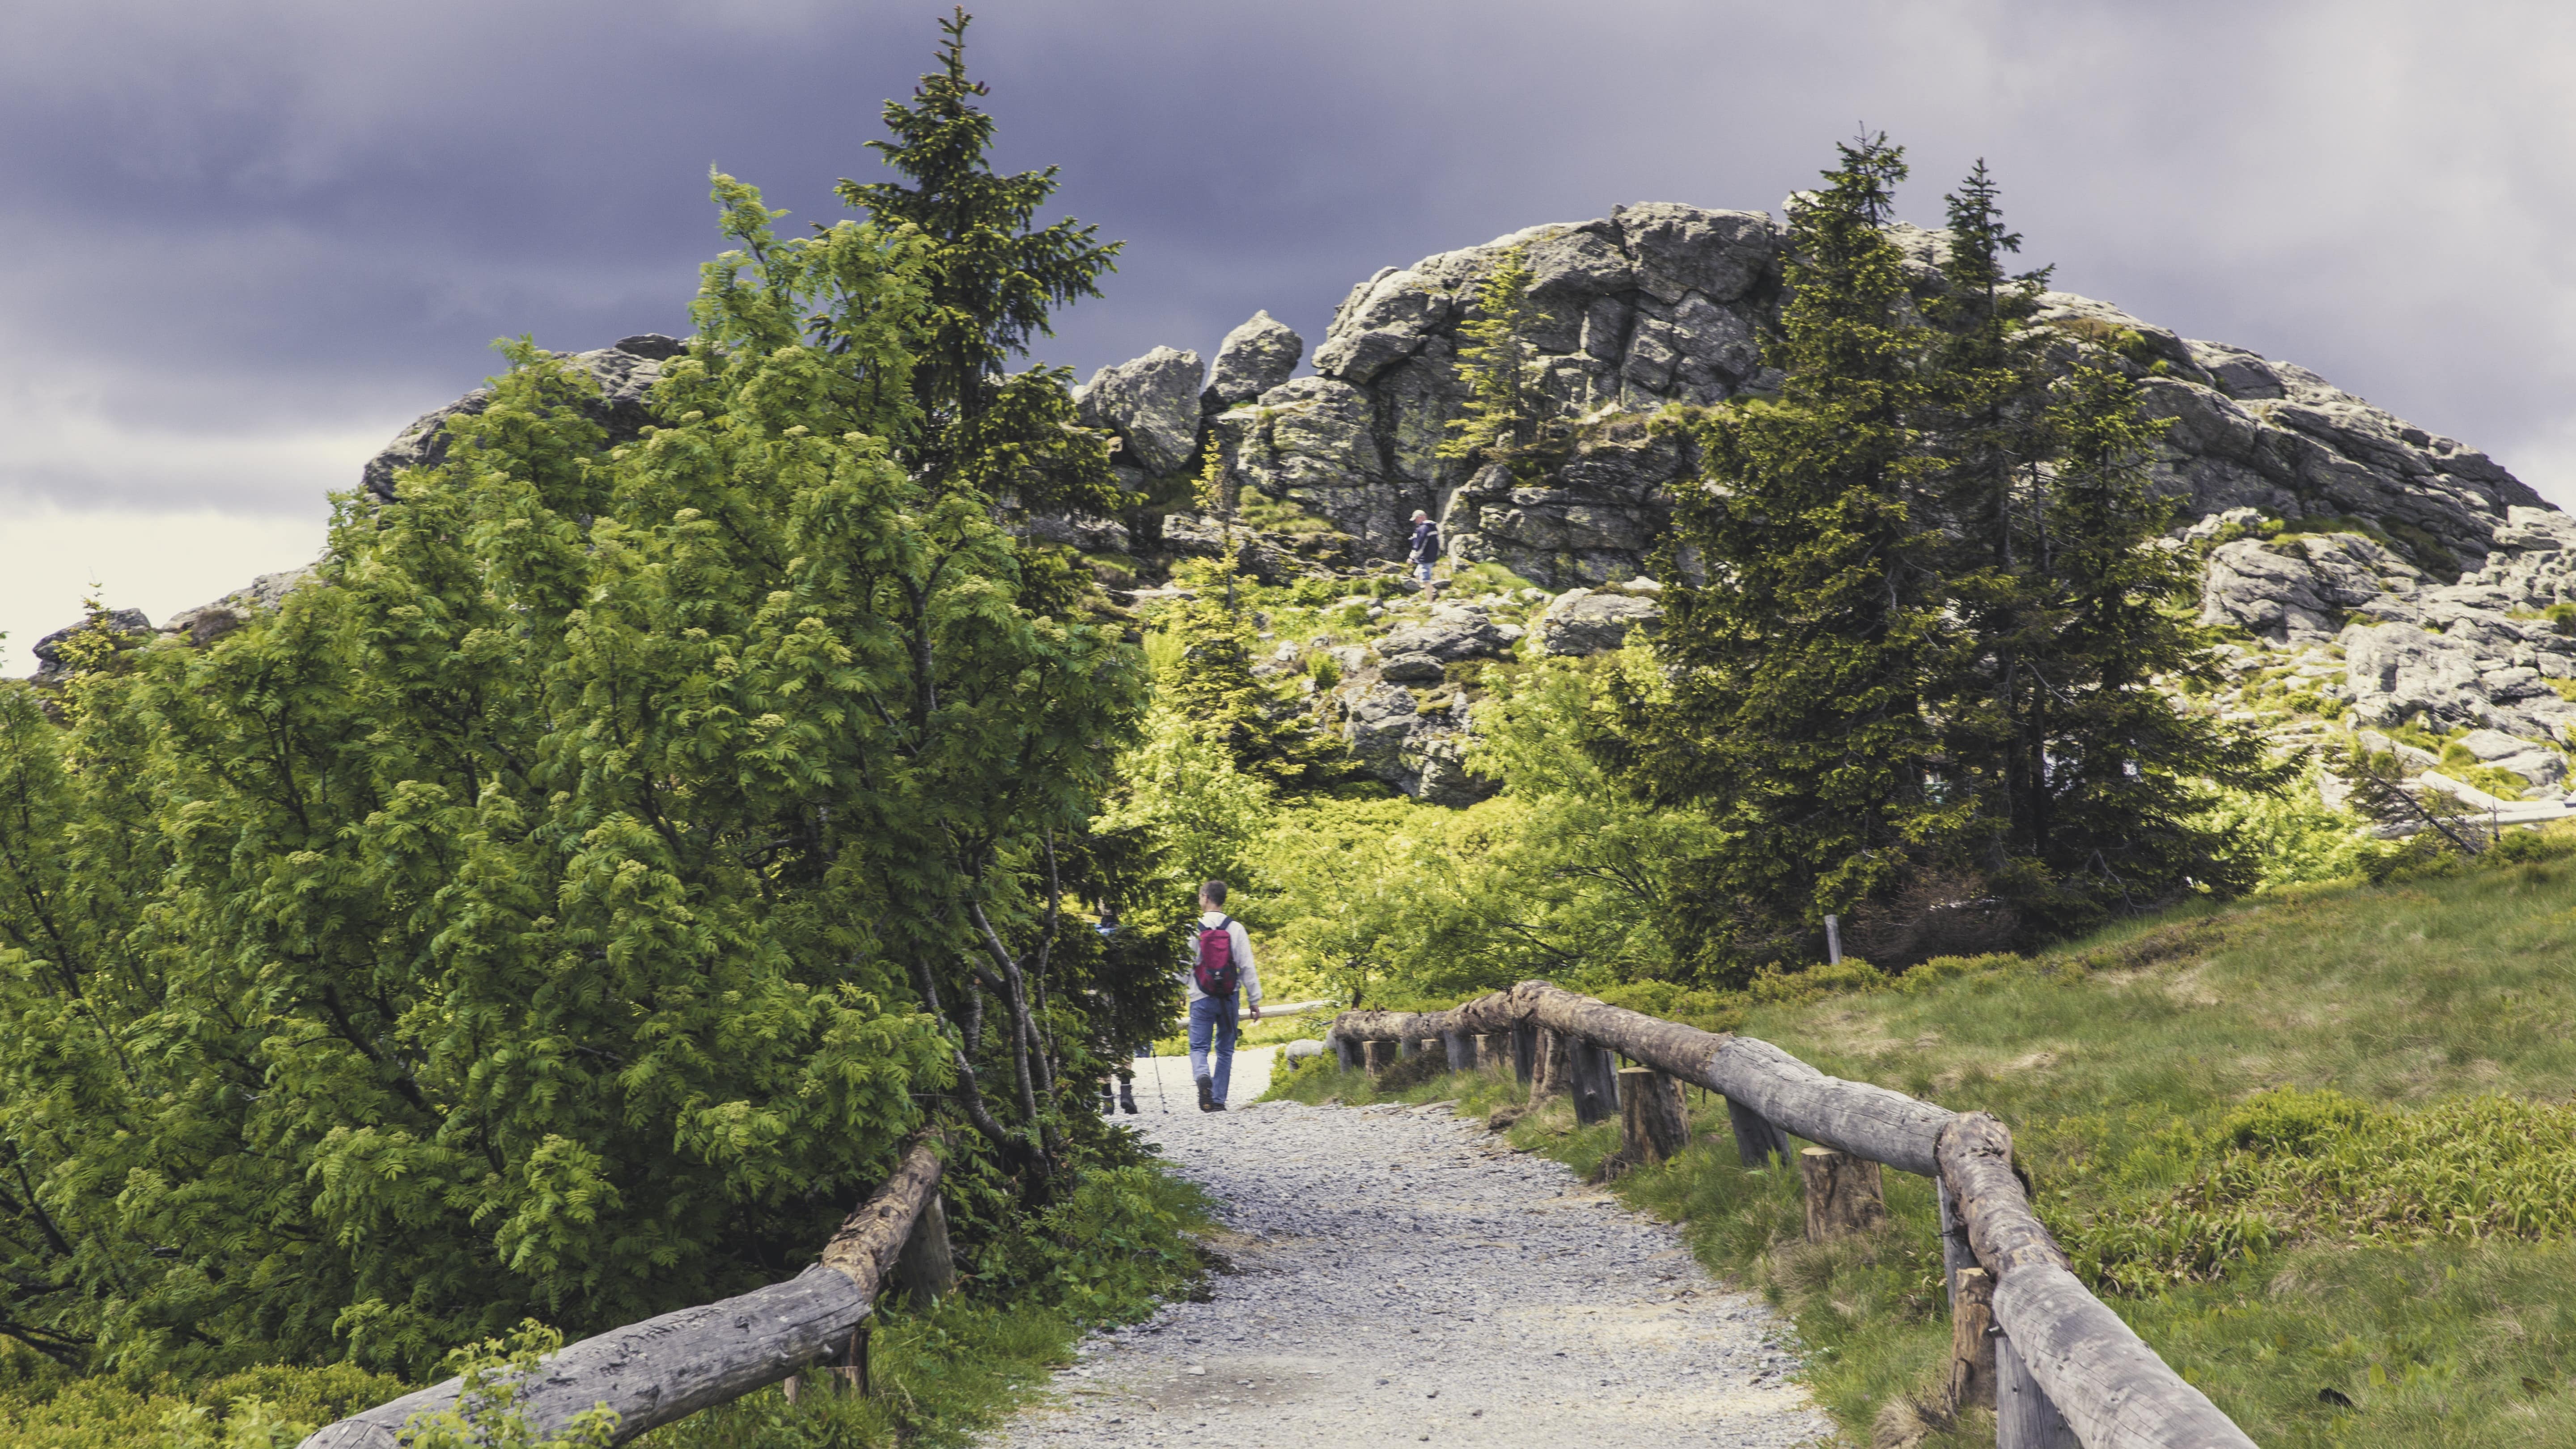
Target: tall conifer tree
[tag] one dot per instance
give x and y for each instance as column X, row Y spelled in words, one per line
column 1797, row 673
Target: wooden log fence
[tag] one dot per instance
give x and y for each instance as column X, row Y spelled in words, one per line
column 667, row 1368
column 2064, row 1369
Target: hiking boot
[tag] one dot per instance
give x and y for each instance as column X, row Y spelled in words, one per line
column 1207, row 1095
column 1216, row 1106
column 1127, row 1097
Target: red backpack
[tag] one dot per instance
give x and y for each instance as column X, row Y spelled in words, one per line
column 1215, row 969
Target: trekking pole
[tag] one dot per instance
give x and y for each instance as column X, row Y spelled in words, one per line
column 1158, row 1079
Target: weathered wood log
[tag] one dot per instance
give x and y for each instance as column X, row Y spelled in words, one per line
column 1377, row 1056
column 1594, row 1087
column 1757, row 1142
column 1524, row 1052
column 667, row 1368
column 1652, row 1127
column 2102, row 1379
column 1972, row 1340
column 1845, row 1195
column 2024, row 1418
column 1854, row 1117
column 1461, row 1048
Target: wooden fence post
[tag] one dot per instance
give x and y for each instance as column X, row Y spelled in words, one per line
column 1461, row 1049
column 1651, row 1125
column 1487, row 1048
column 1348, row 1050
column 1844, row 1195
column 1956, row 1254
column 1377, row 1056
column 1525, row 1052
column 1595, row 1089
column 2024, row 1418
column 1757, row 1141
column 1406, row 1046
column 926, row 1270
column 1972, row 1340
column 1551, row 1065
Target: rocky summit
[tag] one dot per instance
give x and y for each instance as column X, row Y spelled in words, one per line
column 2369, row 572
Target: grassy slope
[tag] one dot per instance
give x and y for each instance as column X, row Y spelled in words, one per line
column 2117, row 1065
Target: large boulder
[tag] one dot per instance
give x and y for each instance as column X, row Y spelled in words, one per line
column 1378, row 723
column 626, row 371
column 127, row 627
column 1581, row 621
column 2301, row 588
column 1151, row 403
column 1253, row 359
column 1452, row 633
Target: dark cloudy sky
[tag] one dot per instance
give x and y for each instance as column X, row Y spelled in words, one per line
column 252, row 238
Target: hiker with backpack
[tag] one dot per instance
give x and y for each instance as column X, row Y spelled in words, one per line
column 1220, row 971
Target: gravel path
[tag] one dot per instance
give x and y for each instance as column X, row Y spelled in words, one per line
column 1402, row 1277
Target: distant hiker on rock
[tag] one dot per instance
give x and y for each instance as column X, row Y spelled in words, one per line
column 1426, row 550
column 1220, row 969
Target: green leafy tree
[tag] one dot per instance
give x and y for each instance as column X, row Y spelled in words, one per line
column 1794, row 709
column 1499, row 420
column 573, row 900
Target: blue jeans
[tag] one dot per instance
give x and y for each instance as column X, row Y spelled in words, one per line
column 1213, row 1015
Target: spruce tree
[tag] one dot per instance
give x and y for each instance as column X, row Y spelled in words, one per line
column 995, row 278
column 1794, row 707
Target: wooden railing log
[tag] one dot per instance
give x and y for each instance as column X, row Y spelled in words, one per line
column 2100, row 1376
column 667, row 1368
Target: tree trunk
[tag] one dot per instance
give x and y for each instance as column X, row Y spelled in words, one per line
column 1972, row 1340
column 667, row 1368
column 1844, row 1194
column 1756, row 1140
column 1652, row 1127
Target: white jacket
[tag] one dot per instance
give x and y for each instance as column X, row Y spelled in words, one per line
column 1248, row 980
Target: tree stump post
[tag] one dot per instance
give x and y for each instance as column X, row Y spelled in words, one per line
column 1525, row 1053
column 1377, row 1056
column 1594, row 1099
column 1487, row 1051
column 2024, row 1418
column 1461, row 1049
column 1844, row 1195
column 1757, row 1141
column 1972, row 1340
column 1406, row 1046
column 1348, row 1050
column 1651, row 1125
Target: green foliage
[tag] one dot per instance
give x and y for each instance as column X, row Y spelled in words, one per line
column 44, row 1407
column 1499, row 420
column 570, row 903
column 487, row 1414
column 1203, row 675
column 1914, row 687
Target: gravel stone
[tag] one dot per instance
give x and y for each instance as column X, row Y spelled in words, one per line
column 1399, row 1276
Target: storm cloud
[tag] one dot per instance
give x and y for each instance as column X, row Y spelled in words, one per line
column 253, row 240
